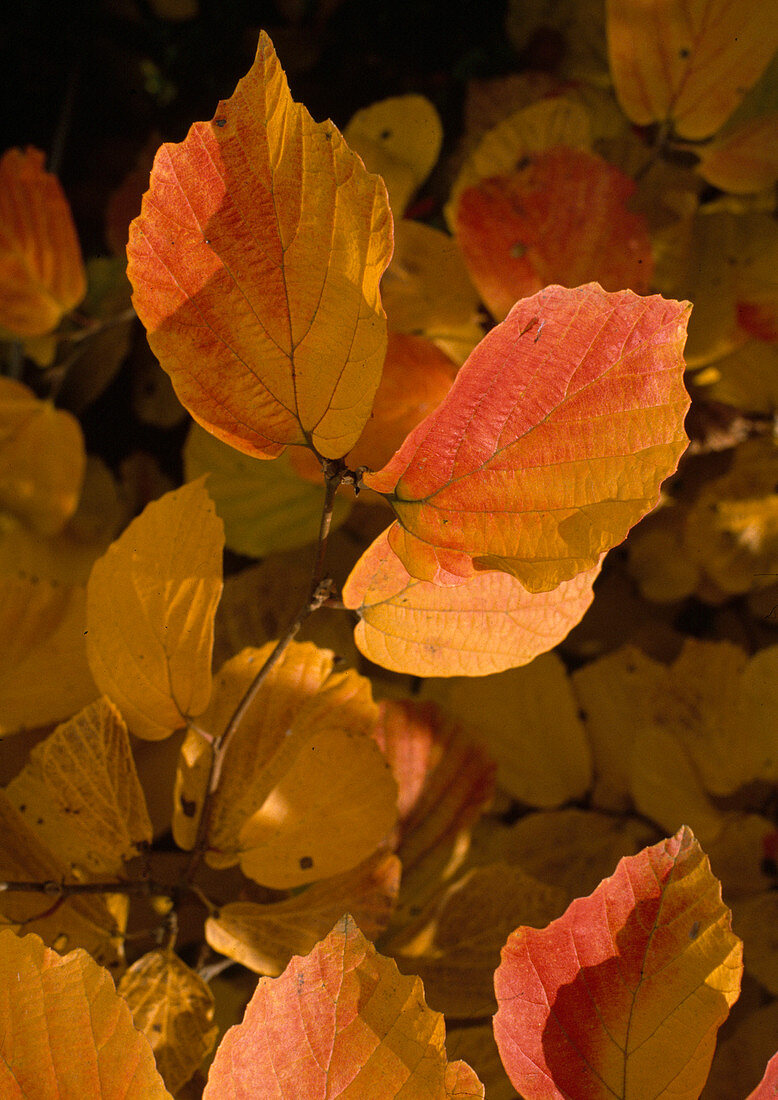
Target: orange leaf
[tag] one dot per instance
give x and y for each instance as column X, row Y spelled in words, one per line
column 745, row 159
column 552, row 442
column 562, row 217
column 66, row 1031
column 623, row 994
column 42, row 274
column 151, row 602
column 256, row 261
column 42, row 459
column 341, row 1021
column 174, row 1008
column 417, row 376
column 688, row 62
column 488, row 624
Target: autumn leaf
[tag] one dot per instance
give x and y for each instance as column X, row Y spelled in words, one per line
column 66, row 1031
column 444, row 784
column 488, row 624
column 523, row 133
column 42, row 273
column 570, row 414
column 42, row 459
column 400, row 139
column 623, row 994
column 174, row 1008
column 387, row 1044
column 528, row 721
column 82, row 920
column 744, row 159
column 151, row 602
column 304, row 791
column 427, row 291
column 42, row 627
column 81, row 790
column 687, row 62
column 265, row 937
column 265, row 507
column 255, row 262
column 561, row 217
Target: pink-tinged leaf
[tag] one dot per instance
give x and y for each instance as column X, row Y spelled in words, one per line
column 767, row 1089
column 561, row 218
column 487, row 624
column 552, row 442
column 255, row 264
column 340, row 1022
column 622, row 996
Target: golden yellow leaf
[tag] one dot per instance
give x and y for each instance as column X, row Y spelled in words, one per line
column 41, row 270
column 745, row 158
column 477, row 1048
column 193, row 775
column 427, row 291
column 44, row 673
column 457, row 949
column 304, row 791
column 80, row 792
column 151, row 602
column 527, row 719
column 83, row 920
column 173, row 1007
column 255, row 263
column 42, row 459
column 66, row 1032
column 666, row 787
column 400, row 139
column 265, row 507
column 747, row 378
column 614, row 693
column 265, row 937
column 688, row 62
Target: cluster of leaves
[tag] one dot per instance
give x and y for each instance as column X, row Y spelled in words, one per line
column 207, row 788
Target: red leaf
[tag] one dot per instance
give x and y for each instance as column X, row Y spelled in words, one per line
column 552, row 442
column 767, row 1089
column 561, row 219
column 623, row 994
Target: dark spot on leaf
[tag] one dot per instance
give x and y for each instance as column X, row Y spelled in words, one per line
column 306, row 863
column 188, row 806
column 156, row 1027
column 684, row 52
column 518, row 250
column 385, row 134
column 583, row 714
column 694, row 931
column 220, row 122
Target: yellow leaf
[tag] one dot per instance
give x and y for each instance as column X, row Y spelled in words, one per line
column 81, row 791
column 66, row 1032
column 193, row 776
column 84, row 920
column 614, row 694
column 44, row 674
column 457, row 950
column 688, row 62
column 527, row 719
column 42, row 459
column 255, row 263
column 173, row 1007
column 264, row 507
column 304, row 791
column 427, row 291
column 265, row 937
column 400, row 139
column 151, row 602
column 745, row 159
